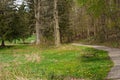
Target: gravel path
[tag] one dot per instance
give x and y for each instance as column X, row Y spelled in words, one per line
column 114, row 54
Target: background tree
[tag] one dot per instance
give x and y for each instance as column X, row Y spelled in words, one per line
column 6, row 13
column 14, row 22
column 56, row 24
column 21, row 23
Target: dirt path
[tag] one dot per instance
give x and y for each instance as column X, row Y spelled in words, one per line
column 114, row 54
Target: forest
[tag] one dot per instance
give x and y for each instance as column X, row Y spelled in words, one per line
column 51, row 39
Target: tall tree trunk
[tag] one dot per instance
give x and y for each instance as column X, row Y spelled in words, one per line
column 3, row 43
column 37, row 17
column 37, row 33
column 56, row 24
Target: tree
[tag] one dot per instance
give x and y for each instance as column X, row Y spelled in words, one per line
column 56, row 24
column 5, row 20
column 94, row 20
column 21, row 23
column 37, row 8
column 43, row 15
column 14, row 22
column 103, row 18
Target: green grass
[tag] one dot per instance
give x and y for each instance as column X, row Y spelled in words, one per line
column 25, row 62
column 28, row 40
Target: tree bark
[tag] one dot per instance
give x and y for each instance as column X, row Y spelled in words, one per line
column 56, row 24
column 37, row 33
column 37, row 17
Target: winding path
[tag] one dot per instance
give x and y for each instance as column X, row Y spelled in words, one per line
column 114, row 54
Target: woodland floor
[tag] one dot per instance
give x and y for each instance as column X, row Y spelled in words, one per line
column 68, row 62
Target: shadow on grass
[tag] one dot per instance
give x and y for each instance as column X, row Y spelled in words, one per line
column 25, row 43
column 7, row 47
column 93, row 55
column 15, row 46
column 94, row 59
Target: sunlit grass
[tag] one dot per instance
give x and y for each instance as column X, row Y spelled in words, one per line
column 25, row 62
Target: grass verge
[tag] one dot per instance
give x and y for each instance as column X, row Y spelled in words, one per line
column 25, row 62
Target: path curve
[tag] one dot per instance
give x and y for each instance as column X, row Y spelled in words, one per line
column 114, row 54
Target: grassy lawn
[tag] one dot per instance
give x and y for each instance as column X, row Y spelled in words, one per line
column 25, row 62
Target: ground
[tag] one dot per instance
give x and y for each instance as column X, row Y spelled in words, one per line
column 68, row 62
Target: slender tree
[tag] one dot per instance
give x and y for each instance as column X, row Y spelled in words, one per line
column 56, row 24
column 37, row 8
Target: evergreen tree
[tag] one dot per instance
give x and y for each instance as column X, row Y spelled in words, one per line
column 14, row 22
